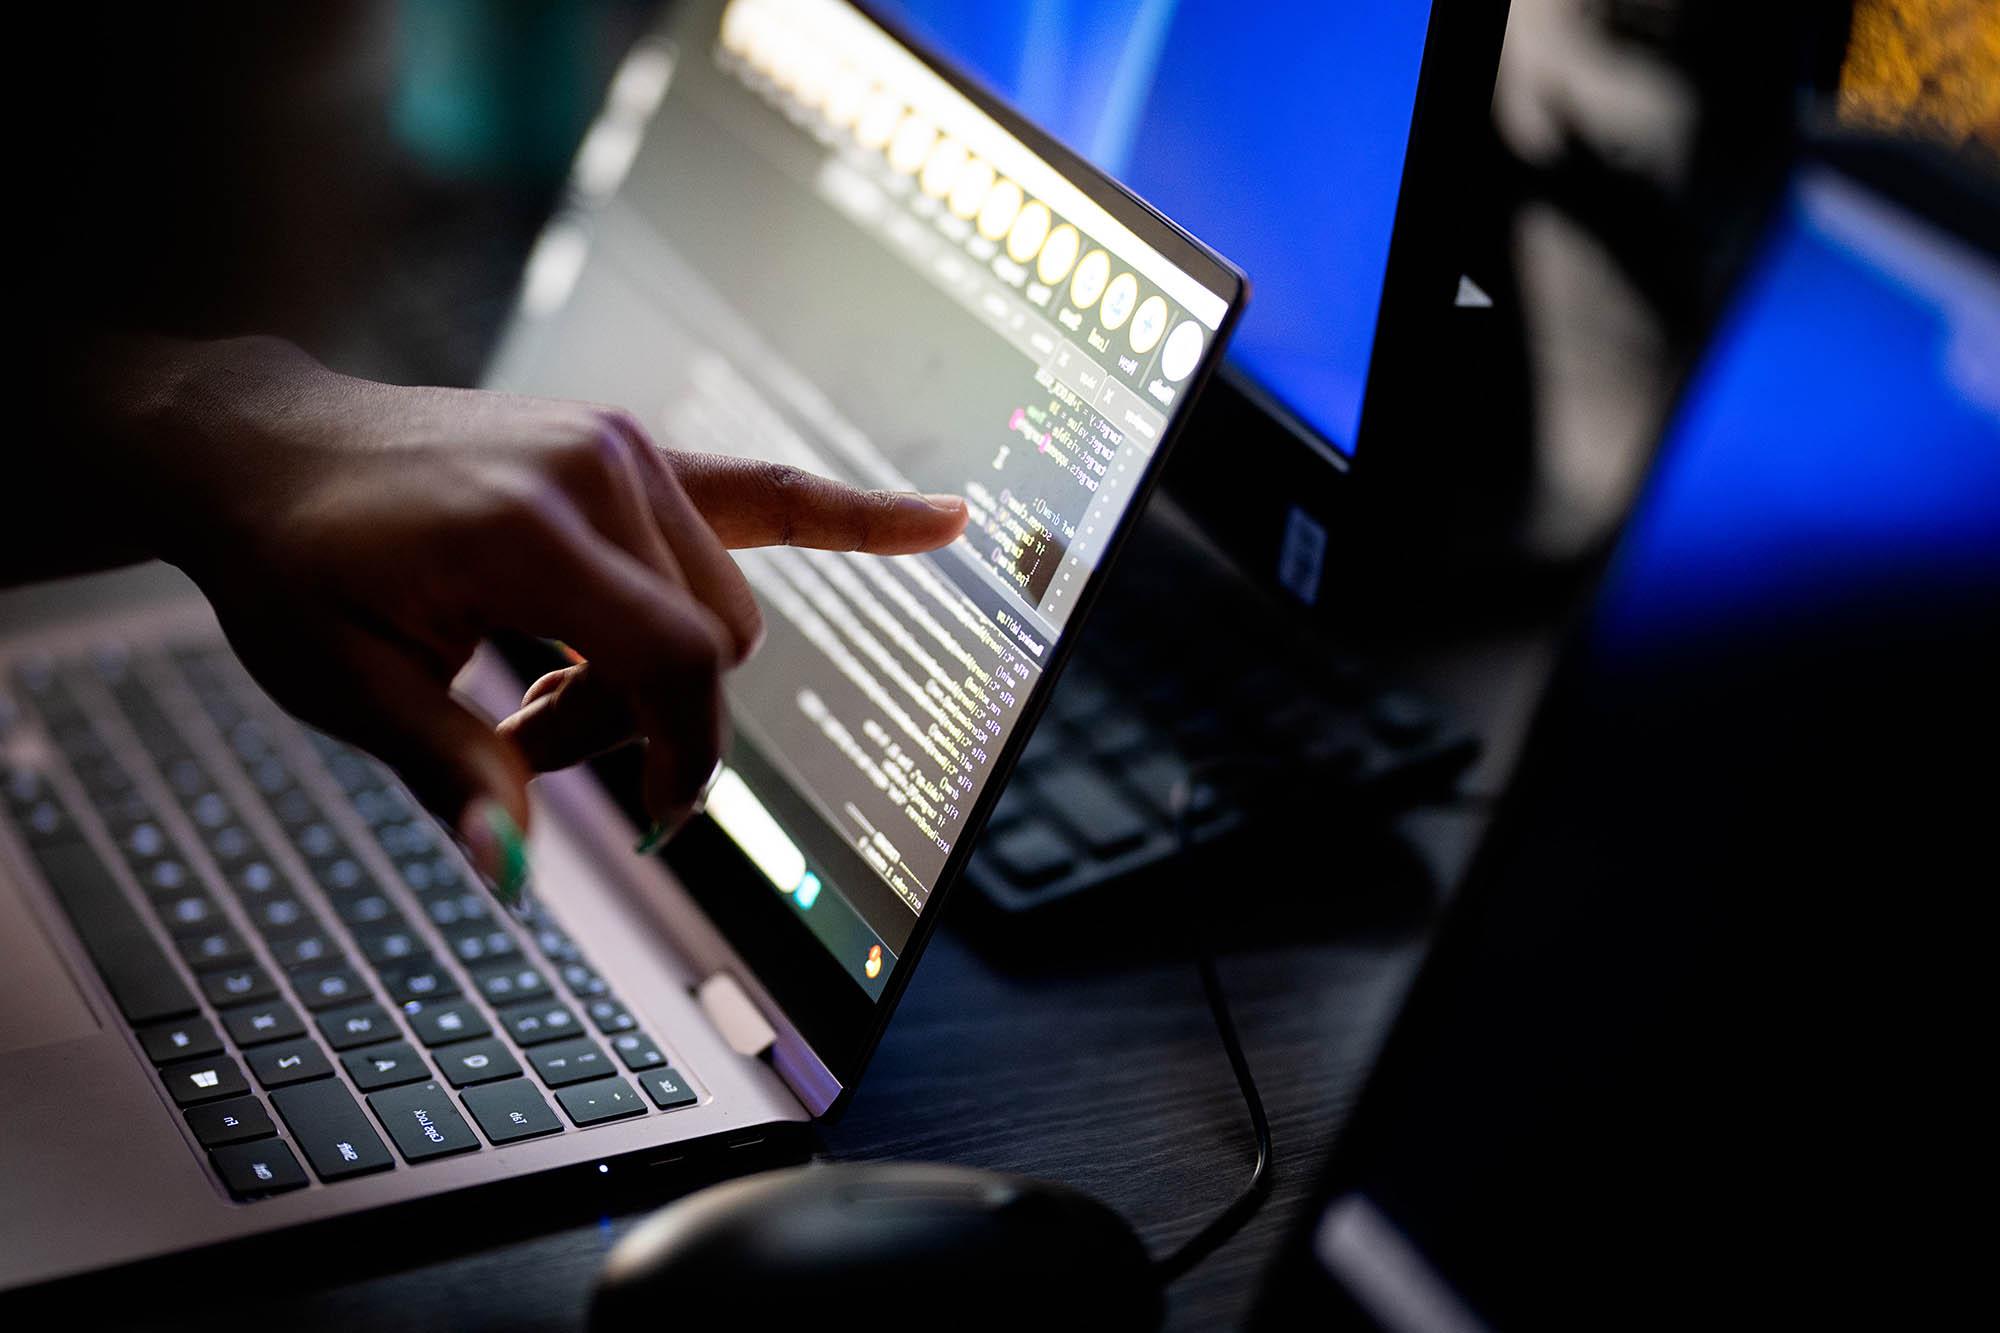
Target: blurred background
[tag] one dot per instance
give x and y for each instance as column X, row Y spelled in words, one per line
column 367, row 178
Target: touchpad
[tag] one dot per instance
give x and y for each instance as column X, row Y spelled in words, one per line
column 39, row 1002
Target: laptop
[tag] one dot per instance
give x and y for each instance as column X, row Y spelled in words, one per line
column 1697, row 1046
column 250, row 986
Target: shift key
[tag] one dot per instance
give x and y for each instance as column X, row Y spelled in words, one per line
column 332, row 1129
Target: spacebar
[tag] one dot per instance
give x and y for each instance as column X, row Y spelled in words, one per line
column 141, row 978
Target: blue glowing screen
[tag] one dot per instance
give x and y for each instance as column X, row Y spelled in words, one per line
column 1839, row 441
column 1274, row 132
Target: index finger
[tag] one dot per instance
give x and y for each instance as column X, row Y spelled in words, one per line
column 751, row 502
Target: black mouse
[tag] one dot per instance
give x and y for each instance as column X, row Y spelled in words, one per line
column 889, row 1245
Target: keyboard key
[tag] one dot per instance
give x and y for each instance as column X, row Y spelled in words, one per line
column 288, row 1062
column 420, row 978
column 141, row 980
column 196, row 1081
column 181, row 1040
column 479, row 943
column 167, row 877
column 327, row 987
column 422, row 1120
column 594, row 1103
column 215, row 948
column 530, row 1023
column 331, row 1129
column 366, row 908
column 610, row 1016
column 281, row 914
column 509, row 982
column 1092, row 809
column 457, row 909
column 573, row 1061
column 1031, row 853
column 187, row 912
column 356, row 1025
column 232, row 1121
column 471, row 1062
column 253, row 1170
column 311, row 949
column 582, row 982
column 636, row 1049
column 438, row 1024
column 389, row 943
column 236, row 984
column 253, row 1023
column 667, row 1089
column 385, row 1066
column 343, row 874
column 510, row 1111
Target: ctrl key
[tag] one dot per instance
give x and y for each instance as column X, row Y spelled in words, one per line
column 253, row 1170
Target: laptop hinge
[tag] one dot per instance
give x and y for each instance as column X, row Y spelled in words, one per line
column 735, row 1015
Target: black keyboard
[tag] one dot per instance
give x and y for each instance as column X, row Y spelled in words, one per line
column 1187, row 669
column 296, row 1005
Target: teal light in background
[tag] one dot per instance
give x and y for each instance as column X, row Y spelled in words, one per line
column 497, row 90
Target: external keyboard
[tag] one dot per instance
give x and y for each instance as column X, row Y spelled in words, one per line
column 1186, row 668
column 355, row 1023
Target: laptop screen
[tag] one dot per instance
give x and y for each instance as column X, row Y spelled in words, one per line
column 809, row 247
column 1275, row 132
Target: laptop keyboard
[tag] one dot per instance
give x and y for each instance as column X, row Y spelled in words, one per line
column 317, row 1017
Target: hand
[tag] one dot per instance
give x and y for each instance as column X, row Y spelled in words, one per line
column 359, row 540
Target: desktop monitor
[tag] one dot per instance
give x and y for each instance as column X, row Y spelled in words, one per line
column 1318, row 145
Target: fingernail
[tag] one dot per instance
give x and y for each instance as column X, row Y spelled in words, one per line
column 948, row 504
column 707, row 787
column 494, row 845
column 656, row 835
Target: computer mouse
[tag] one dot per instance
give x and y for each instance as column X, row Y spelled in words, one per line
column 890, row 1245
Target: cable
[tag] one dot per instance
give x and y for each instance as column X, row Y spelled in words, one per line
column 1231, row 1219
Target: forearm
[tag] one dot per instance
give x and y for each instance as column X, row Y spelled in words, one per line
column 120, row 462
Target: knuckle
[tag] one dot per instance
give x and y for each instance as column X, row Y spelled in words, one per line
column 785, row 489
column 591, row 462
column 517, row 511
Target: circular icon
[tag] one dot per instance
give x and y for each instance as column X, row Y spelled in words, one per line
column 1058, row 253
column 846, row 97
column 996, row 215
column 880, row 115
column 968, row 192
column 1030, row 229
column 942, row 167
column 1183, row 350
column 911, row 145
column 1088, row 284
column 737, row 26
column 1149, row 321
column 1119, row 298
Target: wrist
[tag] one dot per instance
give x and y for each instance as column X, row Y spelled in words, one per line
column 185, row 433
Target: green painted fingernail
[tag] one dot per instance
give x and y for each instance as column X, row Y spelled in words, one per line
column 510, row 880
column 650, row 841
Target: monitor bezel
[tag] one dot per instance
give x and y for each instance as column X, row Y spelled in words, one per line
column 814, row 993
